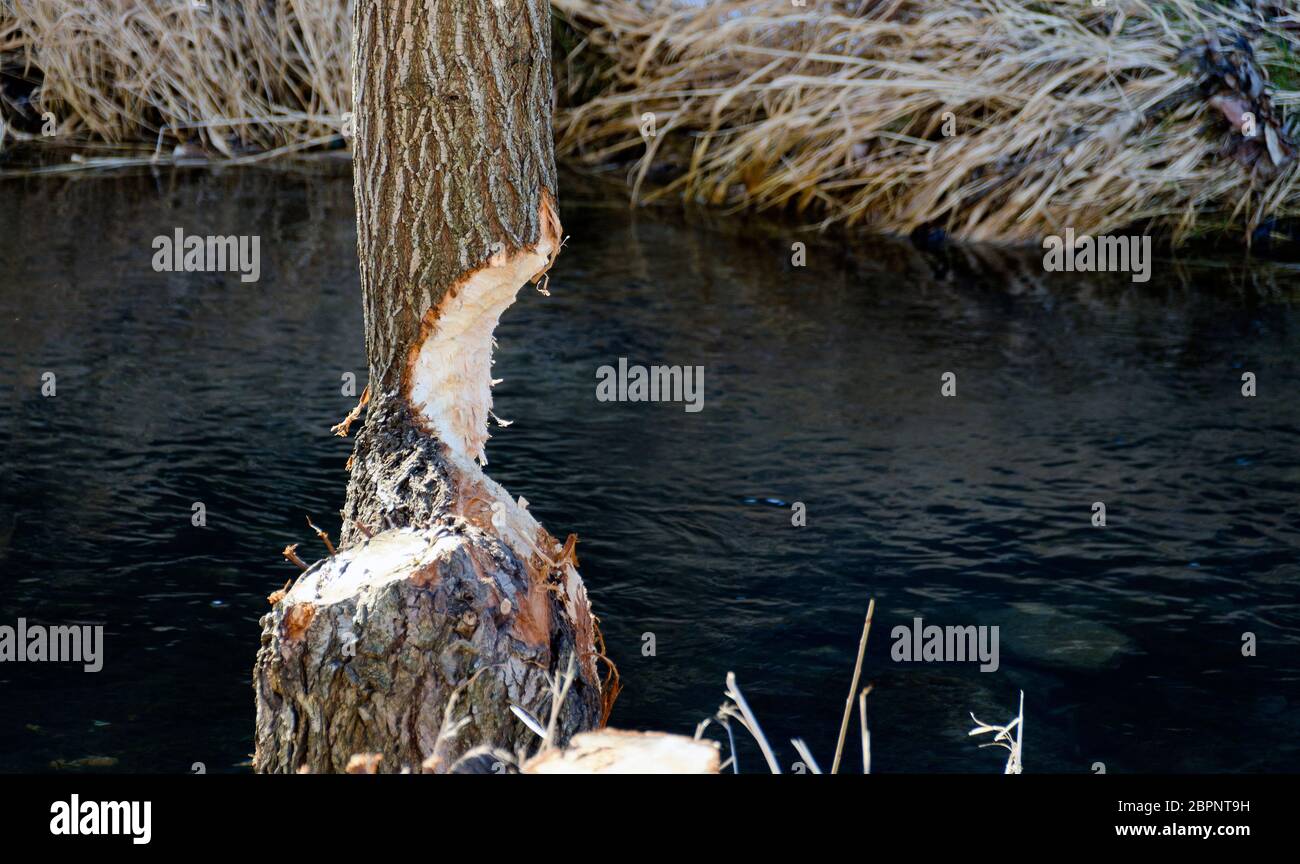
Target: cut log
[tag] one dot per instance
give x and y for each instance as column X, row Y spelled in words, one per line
column 615, row 751
column 446, row 601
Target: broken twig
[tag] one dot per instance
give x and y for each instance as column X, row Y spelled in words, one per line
column 291, row 552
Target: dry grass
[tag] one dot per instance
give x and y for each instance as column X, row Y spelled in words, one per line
column 225, row 78
column 1065, row 114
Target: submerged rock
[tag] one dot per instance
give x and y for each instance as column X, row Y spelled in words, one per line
column 1041, row 634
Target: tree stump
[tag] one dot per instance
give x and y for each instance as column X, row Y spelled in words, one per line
column 369, row 649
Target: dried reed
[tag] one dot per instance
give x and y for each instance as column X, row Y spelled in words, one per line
column 1057, row 112
column 997, row 120
column 223, row 78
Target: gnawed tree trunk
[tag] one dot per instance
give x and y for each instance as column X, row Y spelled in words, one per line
column 443, row 586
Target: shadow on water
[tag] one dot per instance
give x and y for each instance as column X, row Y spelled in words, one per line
column 821, row 386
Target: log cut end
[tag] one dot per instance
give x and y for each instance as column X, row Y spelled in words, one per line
column 615, row 751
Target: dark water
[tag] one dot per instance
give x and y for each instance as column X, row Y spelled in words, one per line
column 821, row 386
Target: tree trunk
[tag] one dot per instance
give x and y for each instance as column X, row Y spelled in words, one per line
column 446, row 601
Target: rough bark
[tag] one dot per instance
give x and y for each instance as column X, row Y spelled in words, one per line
column 453, row 157
column 446, row 601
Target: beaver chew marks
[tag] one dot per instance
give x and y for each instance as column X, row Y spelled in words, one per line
column 449, row 377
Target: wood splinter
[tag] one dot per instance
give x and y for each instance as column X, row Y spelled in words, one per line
column 276, row 596
column 569, row 554
column 341, row 428
column 291, row 552
column 325, row 538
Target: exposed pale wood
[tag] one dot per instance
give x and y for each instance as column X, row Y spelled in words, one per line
column 615, row 751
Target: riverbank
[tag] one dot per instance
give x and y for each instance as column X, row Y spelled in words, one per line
column 988, row 121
